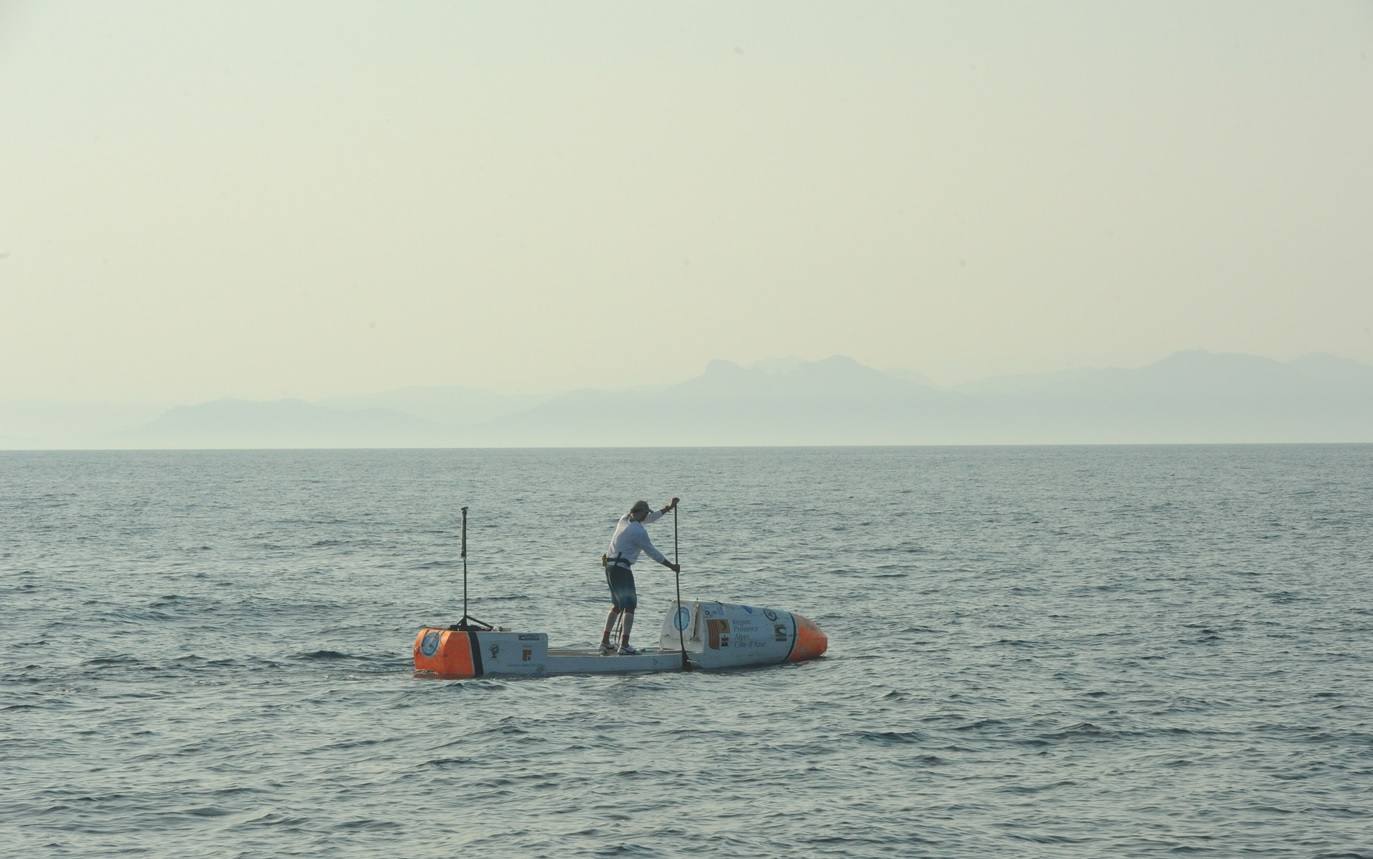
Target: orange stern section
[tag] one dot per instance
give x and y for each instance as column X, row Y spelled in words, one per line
column 810, row 641
column 445, row 652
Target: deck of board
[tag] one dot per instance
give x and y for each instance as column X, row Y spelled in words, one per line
column 575, row 660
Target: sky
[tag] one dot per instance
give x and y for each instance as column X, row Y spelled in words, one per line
column 264, row 200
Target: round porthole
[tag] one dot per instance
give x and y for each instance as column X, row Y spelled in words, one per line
column 430, row 645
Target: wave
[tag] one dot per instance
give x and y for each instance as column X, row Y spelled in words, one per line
column 323, row 655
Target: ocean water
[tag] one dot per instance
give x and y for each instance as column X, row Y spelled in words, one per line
column 1095, row 651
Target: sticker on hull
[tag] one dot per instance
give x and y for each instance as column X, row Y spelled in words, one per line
column 430, row 645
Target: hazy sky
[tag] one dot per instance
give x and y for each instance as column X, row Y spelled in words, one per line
column 257, row 199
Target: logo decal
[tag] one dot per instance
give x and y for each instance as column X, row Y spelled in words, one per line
column 430, row 645
column 769, row 614
column 746, row 608
column 683, row 618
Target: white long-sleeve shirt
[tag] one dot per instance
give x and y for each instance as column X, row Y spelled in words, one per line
column 630, row 539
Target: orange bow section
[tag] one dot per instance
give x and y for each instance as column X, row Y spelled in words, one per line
column 810, row 641
column 445, row 652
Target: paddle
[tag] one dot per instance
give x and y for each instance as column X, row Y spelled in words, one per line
column 677, row 620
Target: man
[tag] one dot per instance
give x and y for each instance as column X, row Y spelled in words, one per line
column 626, row 544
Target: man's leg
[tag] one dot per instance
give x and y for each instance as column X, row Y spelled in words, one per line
column 609, row 625
column 624, row 630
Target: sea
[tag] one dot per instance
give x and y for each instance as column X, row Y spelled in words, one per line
column 1034, row 651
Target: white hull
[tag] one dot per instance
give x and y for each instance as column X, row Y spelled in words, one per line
column 714, row 635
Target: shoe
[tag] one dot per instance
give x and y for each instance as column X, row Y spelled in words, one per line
column 606, row 649
column 626, row 650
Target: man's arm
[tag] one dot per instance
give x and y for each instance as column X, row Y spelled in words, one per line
column 655, row 515
column 652, row 551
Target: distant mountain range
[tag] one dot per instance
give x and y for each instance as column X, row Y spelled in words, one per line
column 1188, row 397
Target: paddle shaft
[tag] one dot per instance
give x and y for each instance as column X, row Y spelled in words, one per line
column 676, row 559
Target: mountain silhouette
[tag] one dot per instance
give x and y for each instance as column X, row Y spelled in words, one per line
column 1187, row 397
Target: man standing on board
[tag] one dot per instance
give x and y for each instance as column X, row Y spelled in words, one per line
column 629, row 540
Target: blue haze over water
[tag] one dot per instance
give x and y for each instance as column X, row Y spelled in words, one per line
column 1057, row 651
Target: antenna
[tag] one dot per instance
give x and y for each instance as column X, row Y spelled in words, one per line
column 467, row 622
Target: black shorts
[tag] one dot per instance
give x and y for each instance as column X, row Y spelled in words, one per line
column 621, row 582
